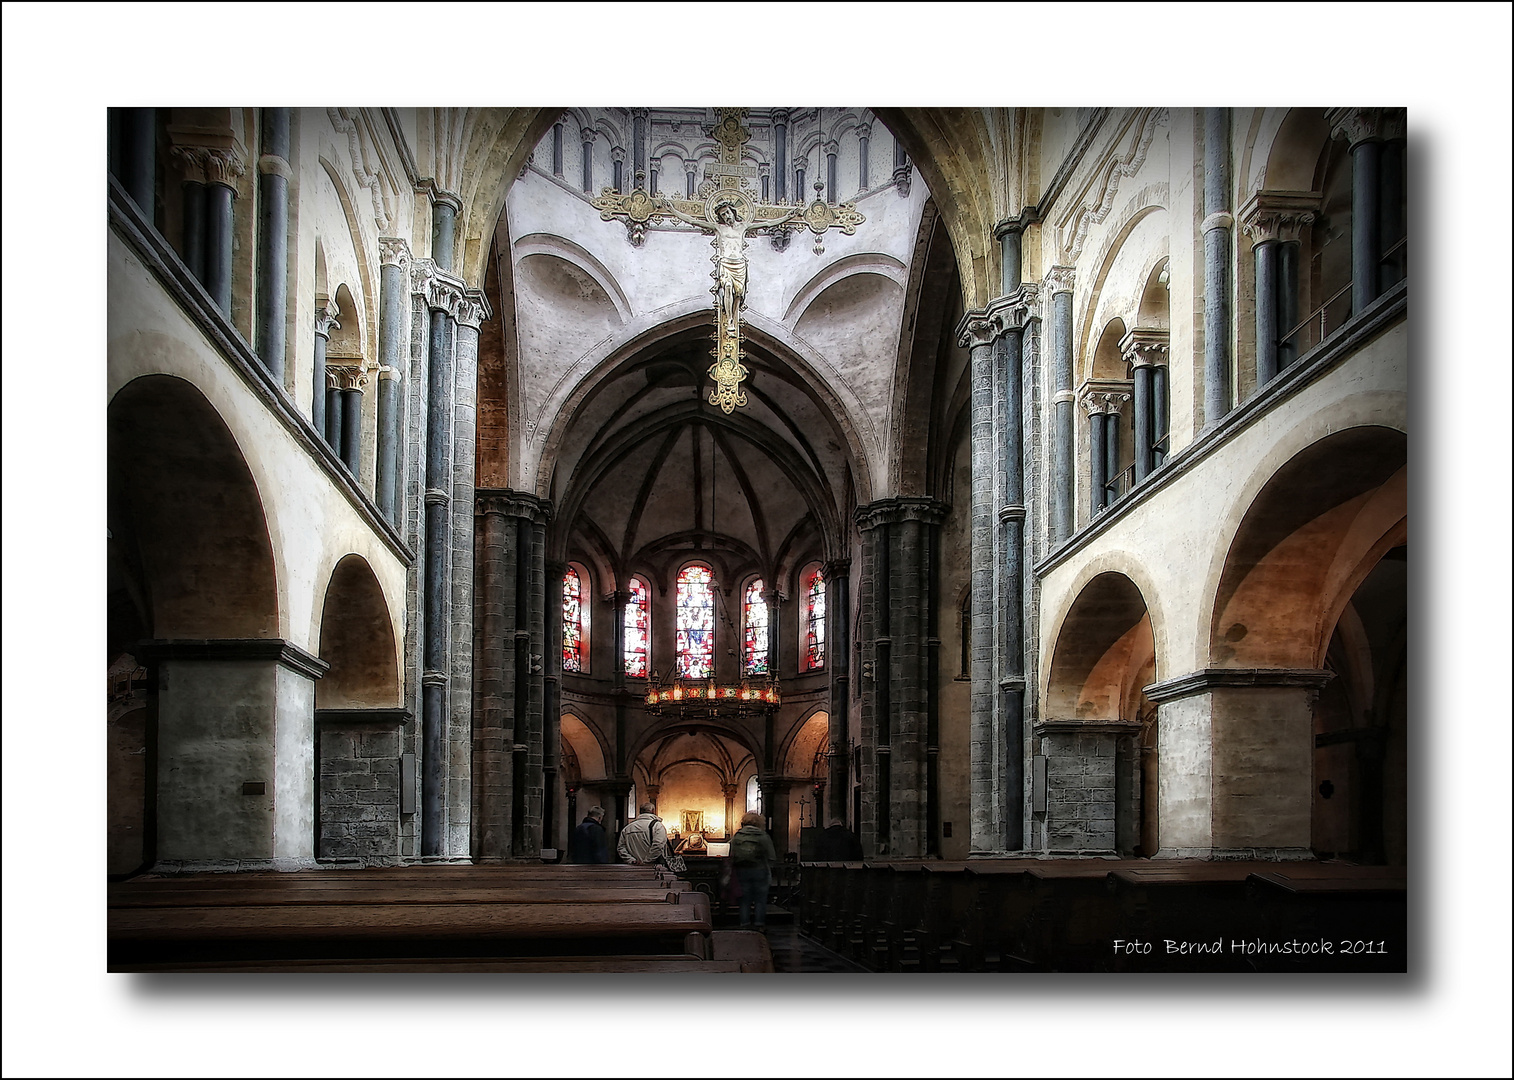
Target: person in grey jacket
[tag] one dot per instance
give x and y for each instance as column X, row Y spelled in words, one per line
column 752, row 857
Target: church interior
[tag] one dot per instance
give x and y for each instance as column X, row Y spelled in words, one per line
column 1021, row 491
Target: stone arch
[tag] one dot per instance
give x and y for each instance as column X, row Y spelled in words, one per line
column 1104, row 652
column 186, row 513
column 582, row 259
column 1150, row 200
column 872, row 262
column 357, row 639
column 346, row 342
column 1312, row 531
column 588, row 747
column 809, row 735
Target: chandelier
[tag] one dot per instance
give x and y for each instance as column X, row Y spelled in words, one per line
column 710, row 698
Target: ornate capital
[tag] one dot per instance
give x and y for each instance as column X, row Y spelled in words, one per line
column 326, row 313
column 1019, row 223
column 443, row 292
column 508, row 503
column 1013, row 310
column 780, row 116
column 344, row 377
column 976, row 330
column 1058, row 279
column 446, row 198
column 1145, row 347
column 586, row 135
column 208, row 155
column 1278, row 215
column 1104, row 396
column 617, row 153
column 864, row 131
column 472, row 308
column 901, row 508
column 902, row 176
column 393, row 251
column 1366, row 125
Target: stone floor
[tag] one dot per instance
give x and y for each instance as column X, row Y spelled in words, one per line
column 792, row 951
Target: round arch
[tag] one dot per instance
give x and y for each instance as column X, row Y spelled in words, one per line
column 357, row 639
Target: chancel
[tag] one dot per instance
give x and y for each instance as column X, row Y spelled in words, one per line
column 1045, row 528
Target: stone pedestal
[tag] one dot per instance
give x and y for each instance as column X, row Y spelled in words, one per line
column 358, row 773
column 1087, row 800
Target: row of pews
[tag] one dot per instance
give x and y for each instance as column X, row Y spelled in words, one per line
column 1108, row 915
column 511, row 918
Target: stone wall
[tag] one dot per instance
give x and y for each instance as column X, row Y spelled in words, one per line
column 359, row 788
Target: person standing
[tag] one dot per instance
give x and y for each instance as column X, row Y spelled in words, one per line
column 589, row 842
column 644, row 840
column 752, row 857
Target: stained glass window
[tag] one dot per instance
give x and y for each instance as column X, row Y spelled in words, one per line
column 754, row 620
column 696, row 623
column 575, row 622
column 814, row 621
column 638, row 628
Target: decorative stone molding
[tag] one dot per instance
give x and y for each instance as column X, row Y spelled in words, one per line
column 390, row 374
column 1058, row 279
column 1019, row 223
column 1093, row 203
column 393, row 251
column 587, row 135
column 1104, row 396
column 446, row 198
column 284, row 653
column 211, row 165
column 1201, row 682
column 1278, row 215
column 902, row 177
column 437, row 497
column 836, row 568
column 472, row 308
column 617, row 153
column 326, row 313
column 443, row 291
column 272, row 164
column 1003, row 314
column 1145, row 347
column 1220, row 219
column 1053, row 726
column 901, row 508
column 1357, row 125
column 519, row 504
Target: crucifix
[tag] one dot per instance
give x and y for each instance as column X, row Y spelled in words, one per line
column 727, row 206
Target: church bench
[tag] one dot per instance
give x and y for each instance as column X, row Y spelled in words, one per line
column 543, row 965
column 748, row 948
column 229, row 895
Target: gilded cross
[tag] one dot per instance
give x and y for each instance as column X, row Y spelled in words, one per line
column 727, row 207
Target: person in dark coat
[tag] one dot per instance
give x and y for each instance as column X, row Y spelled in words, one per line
column 838, row 844
column 589, row 842
column 752, row 859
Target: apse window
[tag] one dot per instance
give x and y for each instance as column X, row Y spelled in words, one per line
column 696, row 622
column 813, row 615
column 575, row 624
column 638, row 628
column 754, row 621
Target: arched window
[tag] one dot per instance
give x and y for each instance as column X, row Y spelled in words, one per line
column 638, row 628
column 754, row 638
column 812, row 617
column 575, row 624
column 696, row 622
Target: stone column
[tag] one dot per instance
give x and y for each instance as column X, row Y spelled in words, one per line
column 1103, row 401
column 1097, row 476
column 1058, row 284
column 326, row 313
column 1009, row 234
column 639, row 144
column 351, row 382
column 977, row 334
column 274, row 175
column 136, row 156
column 618, row 168
column 830, row 172
column 780, row 155
column 443, row 295
column 902, row 170
column 1216, row 229
column 900, row 536
column 192, row 196
column 864, row 136
column 509, row 726
column 394, row 257
column 332, row 432
column 1365, row 130
column 214, row 158
column 838, row 606
column 1236, row 754
column 1274, row 221
column 1145, row 350
column 732, row 818
column 557, row 149
column 445, row 207
column 552, row 702
column 586, row 137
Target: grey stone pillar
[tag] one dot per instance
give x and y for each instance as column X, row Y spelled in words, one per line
column 838, row 607
column 137, row 157
column 1059, row 283
column 902, row 170
column 444, row 210
column 618, row 168
column 1275, row 221
column 1216, row 230
column 899, row 538
column 470, row 310
column 192, row 195
column 1098, row 476
column 218, row 244
column 977, row 334
column 333, row 429
column 586, row 136
column 864, row 136
column 274, row 174
column 509, row 724
column 1010, row 233
column 352, row 380
column 557, row 149
column 552, row 703
column 1366, row 130
column 326, row 313
column 394, row 257
column 639, row 145
column 831, row 194
column 780, row 155
column 1145, row 350
column 213, row 158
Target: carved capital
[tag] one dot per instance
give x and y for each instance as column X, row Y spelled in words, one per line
column 326, row 313
column 446, row 198
column 508, row 503
column 1058, row 279
column 1145, row 347
column 617, row 153
column 864, row 131
column 393, row 251
column 587, row 135
column 345, row 377
column 975, row 330
column 1013, row 310
column 472, row 308
column 1278, row 215
column 208, row 155
column 1357, row 125
column 443, row 292
column 1104, row 396
column 901, row 508
column 902, row 176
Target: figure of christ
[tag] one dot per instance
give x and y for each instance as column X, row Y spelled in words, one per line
column 730, row 254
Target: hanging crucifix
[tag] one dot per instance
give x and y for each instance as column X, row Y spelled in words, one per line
column 728, row 208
